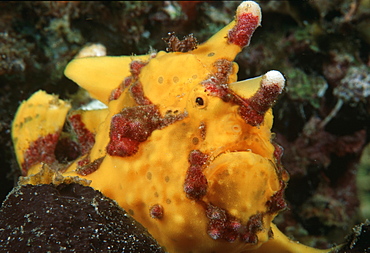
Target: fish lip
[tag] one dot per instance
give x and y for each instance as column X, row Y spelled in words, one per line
column 232, row 151
column 225, row 152
column 212, row 160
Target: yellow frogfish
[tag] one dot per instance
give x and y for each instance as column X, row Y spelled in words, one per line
column 182, row 146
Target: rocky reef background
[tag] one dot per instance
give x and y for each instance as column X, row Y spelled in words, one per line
column 322, row 120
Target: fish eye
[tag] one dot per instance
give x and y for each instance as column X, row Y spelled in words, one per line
column 199, row 101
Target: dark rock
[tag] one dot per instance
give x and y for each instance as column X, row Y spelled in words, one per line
column 359, row 240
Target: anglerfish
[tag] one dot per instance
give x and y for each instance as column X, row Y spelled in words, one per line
column 182, row 146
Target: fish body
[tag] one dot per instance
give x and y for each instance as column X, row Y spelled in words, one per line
column 182, row 146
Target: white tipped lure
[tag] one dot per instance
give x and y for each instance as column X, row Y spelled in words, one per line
column 258, row 95
column 249, row 87
column 273, row 77
column 249, row 7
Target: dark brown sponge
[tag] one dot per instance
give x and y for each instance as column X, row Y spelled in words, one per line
column 68, row 218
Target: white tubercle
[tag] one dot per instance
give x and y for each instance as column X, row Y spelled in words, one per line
column 93, row 50
column 273, row 77
column 250, row 7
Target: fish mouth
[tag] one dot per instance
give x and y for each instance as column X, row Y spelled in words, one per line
column 246, row 150
column 219, row 159
column 241, row 182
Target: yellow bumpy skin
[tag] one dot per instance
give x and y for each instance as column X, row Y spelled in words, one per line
column 182, row 146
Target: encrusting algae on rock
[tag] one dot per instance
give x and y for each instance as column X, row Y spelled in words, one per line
column 182, row 146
